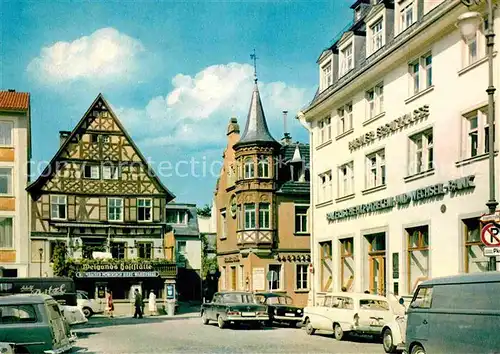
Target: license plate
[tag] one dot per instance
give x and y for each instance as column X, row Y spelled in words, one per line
column 290, row 314
column 375, row 324
column 248, row 314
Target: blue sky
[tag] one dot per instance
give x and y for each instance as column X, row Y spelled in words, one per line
column 173, row 71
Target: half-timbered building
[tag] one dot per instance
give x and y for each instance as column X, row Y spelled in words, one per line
column 100, row 199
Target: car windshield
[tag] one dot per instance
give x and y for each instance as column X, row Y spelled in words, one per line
column 279, row 300
column 369, row 304
column 238, row 298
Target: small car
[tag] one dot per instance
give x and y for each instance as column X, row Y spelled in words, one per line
column 344, row 313
column 34, row 324
column 89, row 306
column 234, row 306
column 394, row 333
column 73, row 314
column 280, row 308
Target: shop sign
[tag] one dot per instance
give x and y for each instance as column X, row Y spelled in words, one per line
column 121, row 266
column 52, row 290
column 117, row 274
column 416, row 195
column 387, row 129
column 231, row 259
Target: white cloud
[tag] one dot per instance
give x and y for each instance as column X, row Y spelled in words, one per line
column 105, row 54
column 198, row 108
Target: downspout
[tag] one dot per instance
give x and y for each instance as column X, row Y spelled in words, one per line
column 302, row 119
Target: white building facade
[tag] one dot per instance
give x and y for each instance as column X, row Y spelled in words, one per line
column 399, row 150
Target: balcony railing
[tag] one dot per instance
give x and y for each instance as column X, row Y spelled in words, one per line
column 255, row 238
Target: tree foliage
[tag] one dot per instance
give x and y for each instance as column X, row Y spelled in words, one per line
column 206, row 262
column 60, row 262
column 206, row 211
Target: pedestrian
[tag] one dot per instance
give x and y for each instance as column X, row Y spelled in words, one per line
column 152, row 303
column 138, row 304
column 110, row 307
column 344, row 289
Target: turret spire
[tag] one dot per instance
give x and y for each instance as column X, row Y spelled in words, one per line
column 254, row 58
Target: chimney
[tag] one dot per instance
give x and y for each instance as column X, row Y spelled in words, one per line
column 63, row 135
column 287, row 138
column 12, row 90
column 233, row 126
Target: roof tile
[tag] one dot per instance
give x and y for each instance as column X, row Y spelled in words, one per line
column 11, row 100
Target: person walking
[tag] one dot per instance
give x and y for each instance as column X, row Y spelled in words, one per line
column 110, row 307
column 138, row 304
column 152, row 303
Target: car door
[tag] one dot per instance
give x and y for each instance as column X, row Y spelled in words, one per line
column 212, row 307
column 324, row 314
column 417, row 329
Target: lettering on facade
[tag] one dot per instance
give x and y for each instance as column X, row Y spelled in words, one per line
column 391, row 127
column 231, row 259
column 436, row 190
column 117, row 274
column 122, row 266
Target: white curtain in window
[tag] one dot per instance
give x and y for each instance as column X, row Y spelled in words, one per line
column 5, row 133
column 6, row 234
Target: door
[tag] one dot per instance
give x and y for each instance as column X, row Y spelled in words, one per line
column 377, row 274
column 418, row 316
column 233, row 278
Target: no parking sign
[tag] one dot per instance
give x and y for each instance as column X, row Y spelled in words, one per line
column 490, row 234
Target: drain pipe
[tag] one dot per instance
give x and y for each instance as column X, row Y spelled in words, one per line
column 302, row 119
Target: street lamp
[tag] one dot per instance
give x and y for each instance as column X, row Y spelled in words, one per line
column 40, row 253
column 469, row 23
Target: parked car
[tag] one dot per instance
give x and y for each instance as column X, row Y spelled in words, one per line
column 456, row 314
column 34, row 324
column 89, row 306
column 235, row 307
column 73, row 314
column 280, row 308
column 6, row 348
column 394, row 333
column 345, row 313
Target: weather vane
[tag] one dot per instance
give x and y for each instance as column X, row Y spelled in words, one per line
column 254, row 58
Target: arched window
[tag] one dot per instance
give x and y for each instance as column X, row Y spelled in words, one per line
column 263, row 167
column 249, row 170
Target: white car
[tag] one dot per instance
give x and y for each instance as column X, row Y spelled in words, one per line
column 89, row 306
column 73, row 314
column 344, row 313
column 394, row 333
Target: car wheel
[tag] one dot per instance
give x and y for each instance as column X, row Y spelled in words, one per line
column 338, row 331
column 220, row 322
column 417, row 349
column 87, row 311
column 388, row 342
column 309, row 328
column 204, row 318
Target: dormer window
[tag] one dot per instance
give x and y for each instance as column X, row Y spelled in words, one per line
column 406, row 16
column 357, row 13
column 346, row 59
column 377, row 38
column 326, row 75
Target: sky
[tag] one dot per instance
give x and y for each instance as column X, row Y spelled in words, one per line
column 174, row 72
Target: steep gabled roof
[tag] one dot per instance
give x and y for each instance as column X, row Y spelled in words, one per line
column 51, row 168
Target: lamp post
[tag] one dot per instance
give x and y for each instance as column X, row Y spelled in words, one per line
column 40, row 253
column 469, row 23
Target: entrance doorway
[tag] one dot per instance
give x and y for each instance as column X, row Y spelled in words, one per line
column 376, row 263
column 233, row 278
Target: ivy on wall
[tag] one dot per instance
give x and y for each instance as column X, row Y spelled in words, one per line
column 206, row 262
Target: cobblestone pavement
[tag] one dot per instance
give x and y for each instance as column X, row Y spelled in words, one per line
column 186, row 334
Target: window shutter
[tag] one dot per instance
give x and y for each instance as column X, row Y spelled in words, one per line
column 46, row 206
column 411, row 158
column 156, row 210
column 133, row 209
column 71, row 207
column 103, row 210
column 126, row 209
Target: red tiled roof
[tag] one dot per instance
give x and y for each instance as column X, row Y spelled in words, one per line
column 12, row 100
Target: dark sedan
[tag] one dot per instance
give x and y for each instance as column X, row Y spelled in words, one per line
column 280, row 308
column 236, row 307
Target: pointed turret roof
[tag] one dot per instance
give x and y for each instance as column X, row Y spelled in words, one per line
column 256, row 130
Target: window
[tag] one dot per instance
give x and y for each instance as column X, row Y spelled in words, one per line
column 377, row 38
column 474, row 259
column 6, row 181
column 275, row 283
column 263, row 167
column 301, row 219
column 223, row 223
column 91, row 171
column 264, row 216
column 249, row 216
column 144, row 207
column 326, row 75
column 106, row 139
column 421, row 74
column 6, row 133
column 182, row 247
column 406, row 17
column 178, row 217
column 421, row 152
column 118, row 250
column 375, row 169
column 347, row 262
column 301, row 272
column 145, row 250
column 115, row 209
column 418, row 256
column 325, row 190
column 346, row 179
column 345, row 122
column 17, row 314
column 58, row 207
column 241, row 278
column 249, row 169
column 94, row 138
column 475, row 47
column 375, row 101
column 346, row 60
column 325, row 132
column 110, row 172
column 422, row 299
column 326, row 271
column 6, row 233
column 476, row 139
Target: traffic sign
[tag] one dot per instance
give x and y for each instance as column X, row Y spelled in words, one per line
column 490, row 235
column 491, row 251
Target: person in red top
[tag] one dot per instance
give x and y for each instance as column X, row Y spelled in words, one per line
column 109, row 304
